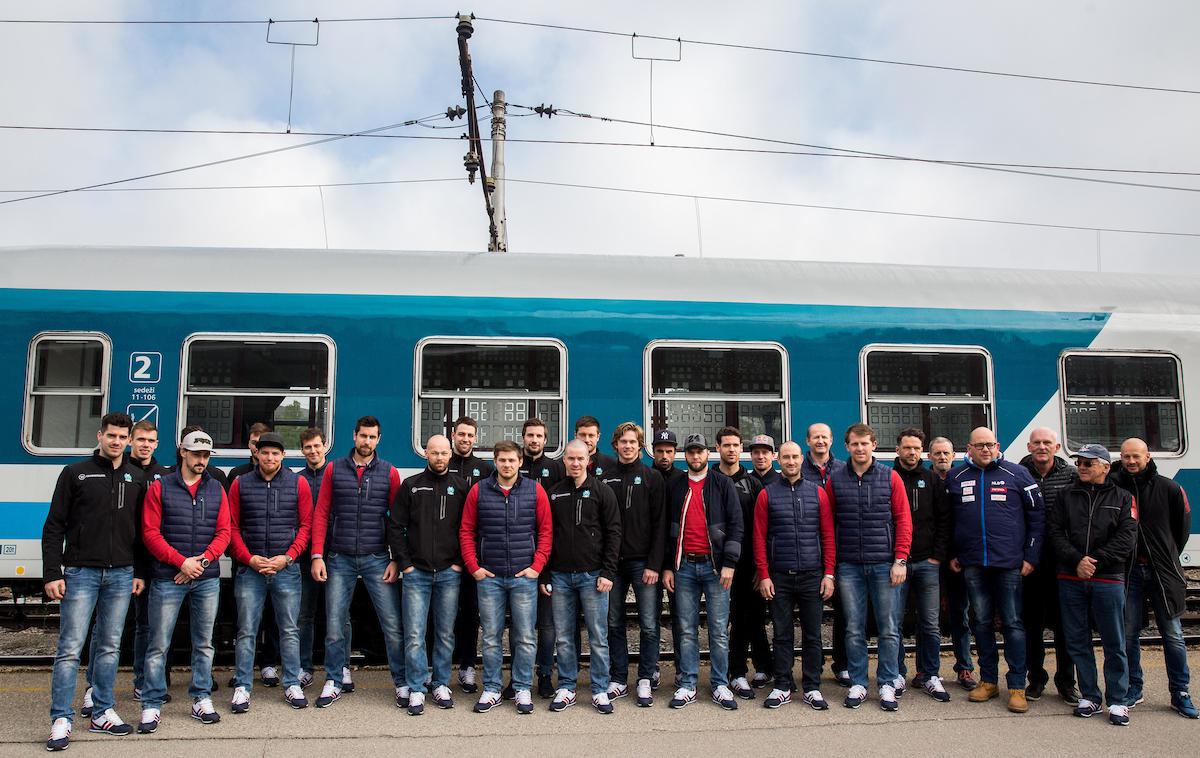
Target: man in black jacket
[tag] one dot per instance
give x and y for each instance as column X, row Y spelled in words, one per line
column 639, row 492
column 1094, row 528
column 705, row 522
column 583, row 563
column 546, row 471
column 930, row 543
column 587, row 429
column 89, row 559
column 1164, row 523
column 747, row 608
column 665, row 446
column 423, row 535
column 1039, row 590
column 471, row 468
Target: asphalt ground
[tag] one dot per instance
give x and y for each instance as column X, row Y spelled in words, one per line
column 367, row 722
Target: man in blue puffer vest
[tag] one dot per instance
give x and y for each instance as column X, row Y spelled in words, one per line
column 998, row 525
column 350, row 539
column 270, row 511
column 185, row 525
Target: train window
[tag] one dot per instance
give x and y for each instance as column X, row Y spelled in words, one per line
column 699, row 387
column 233, row 381
column 943, row 390
column 499, row 382
column 1110, row 396
column 66, row 392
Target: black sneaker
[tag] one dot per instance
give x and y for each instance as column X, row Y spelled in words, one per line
column 1070, row 697
column 1118, row 715
column 843, row 678
column 509, row 692
column 270, row 676
column 545, row 686
column 1035, row 691
column 760, row 680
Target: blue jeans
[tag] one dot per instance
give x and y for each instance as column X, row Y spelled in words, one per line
column 312, row 596
column 992, row 591
column 166, row 598
column 251, row 589
column 648, row 597
column 958, row 617
column 692, row 579
column 1106, row 603
column 424, row 590
column 856, row 582
column 518, row 596
column 923, row 583
column 107, row 593
column 1144, row 585
column 141, row 638
column 573, row 592
column 343, row 572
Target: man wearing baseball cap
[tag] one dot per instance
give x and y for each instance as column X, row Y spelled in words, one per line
column 762, row 458
column 271, row 517
column 706, row 543
column 185, row 525
column 1094, row 532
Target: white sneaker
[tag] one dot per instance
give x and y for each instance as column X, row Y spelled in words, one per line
column 617, row 690
column 306, row 678
column 416, row 703
column 645, row 693
column 466, row 677
column 330, row 693
column 241, row 700
column 270, row 676
column 563, row 699
column 524, row 702
column 149, row 720
column 109, row 723
column 899, row 686
column 887, row 697
column 347, row 680
column 601, row 703
column 88, row 703
column 741, row 687
column 203, row 711
column 60, row 734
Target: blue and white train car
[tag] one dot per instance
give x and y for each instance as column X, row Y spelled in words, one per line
column 228, row 337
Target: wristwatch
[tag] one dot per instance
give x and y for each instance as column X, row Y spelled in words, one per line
column 290, row 559
column 205, row 562
column 901, row 562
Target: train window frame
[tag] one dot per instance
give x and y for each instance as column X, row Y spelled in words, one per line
column 31, row 392
column 480, row 341
column 649, row 397
column 251, row 338
column 1064, row 398
column 886, row 449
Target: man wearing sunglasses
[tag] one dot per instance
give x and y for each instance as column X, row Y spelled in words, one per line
column 998, row 526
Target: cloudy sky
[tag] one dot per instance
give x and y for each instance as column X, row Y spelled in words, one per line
column 368, row 74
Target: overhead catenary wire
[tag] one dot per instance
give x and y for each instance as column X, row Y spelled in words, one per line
column 657, row 193
column 219, row 161
column 819, row 152
column 840, row 57
column 609, row 32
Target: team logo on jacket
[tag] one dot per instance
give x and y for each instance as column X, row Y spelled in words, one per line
column 587, row 493
column 920, row 484
column 449, row 490
column 637, row 480
column 475, row 472
column 157, row 477
column 128, row 478
column 545, row 472
column 599, row 470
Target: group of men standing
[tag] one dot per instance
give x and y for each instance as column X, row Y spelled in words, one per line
column 456, row 549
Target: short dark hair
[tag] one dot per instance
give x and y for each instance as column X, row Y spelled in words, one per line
column 729, row 431
column 367, row 421
column 145, row 426
column 506, row 446
column 312, row 433
column 531, row 422
column 465, row 420
column 911, row 431
column 116, row 418
column 583, row 421
column 860, row 430
column 260, row 428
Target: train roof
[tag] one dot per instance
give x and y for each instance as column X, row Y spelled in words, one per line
column 605, row 277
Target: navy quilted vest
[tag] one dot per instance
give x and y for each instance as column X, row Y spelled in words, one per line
column 189, row 526
column 358, row 516
column 506, row 529
column 267, row 516
column 863, row 514
column 793, row 525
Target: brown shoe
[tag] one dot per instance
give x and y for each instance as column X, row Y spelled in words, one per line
column 984, row 692
column 1017, row 703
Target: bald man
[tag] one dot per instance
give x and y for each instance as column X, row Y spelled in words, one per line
column 1164, row 522
column 998, row 530
column 423, row 534
column 1039, row 591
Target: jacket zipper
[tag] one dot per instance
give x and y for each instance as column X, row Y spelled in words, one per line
column 1087, row 541
column 981, row 494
